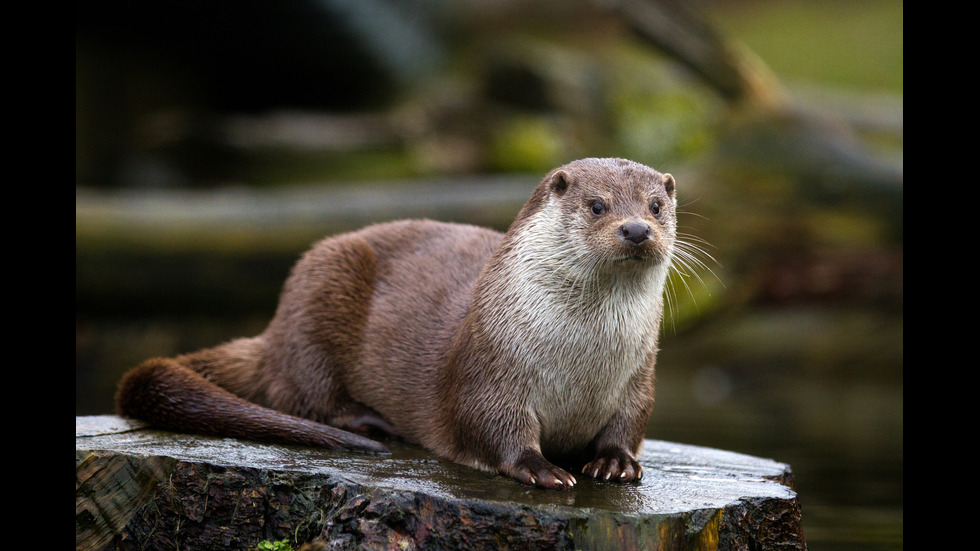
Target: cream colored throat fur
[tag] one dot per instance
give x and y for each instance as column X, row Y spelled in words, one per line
column 574, row 335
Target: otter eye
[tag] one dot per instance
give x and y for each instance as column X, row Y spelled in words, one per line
column 598, row 208
column 655, row 208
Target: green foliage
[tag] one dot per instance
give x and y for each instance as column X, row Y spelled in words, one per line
column 275, row 545
column 852, row 44
column 527, row 144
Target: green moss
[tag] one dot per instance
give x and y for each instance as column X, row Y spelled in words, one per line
column 275, row 545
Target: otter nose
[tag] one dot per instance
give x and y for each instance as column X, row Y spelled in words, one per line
column 637, row 232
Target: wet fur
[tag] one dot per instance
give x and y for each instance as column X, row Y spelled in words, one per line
column 493, row 350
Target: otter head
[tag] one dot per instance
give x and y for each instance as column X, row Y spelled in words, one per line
column 611, row 214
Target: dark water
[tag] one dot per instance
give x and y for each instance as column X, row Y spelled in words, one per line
column 835, row 415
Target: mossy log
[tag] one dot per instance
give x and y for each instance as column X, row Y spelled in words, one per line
column 137, row 488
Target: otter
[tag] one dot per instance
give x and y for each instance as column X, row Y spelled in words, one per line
column 512, row 353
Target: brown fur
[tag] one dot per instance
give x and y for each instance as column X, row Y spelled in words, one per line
column 491, row 350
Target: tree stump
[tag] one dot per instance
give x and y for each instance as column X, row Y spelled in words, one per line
column 137, row 488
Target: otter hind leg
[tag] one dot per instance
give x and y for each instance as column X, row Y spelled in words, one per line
column 366, row 422
column 313, row 346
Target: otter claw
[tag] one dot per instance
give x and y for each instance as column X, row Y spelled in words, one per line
column 532, row 468
column 617, row 465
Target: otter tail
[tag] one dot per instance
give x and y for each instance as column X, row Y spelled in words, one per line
column 172, row 396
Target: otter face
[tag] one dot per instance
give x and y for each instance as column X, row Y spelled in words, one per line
column 622, row 212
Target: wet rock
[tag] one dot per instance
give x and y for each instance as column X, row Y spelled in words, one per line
column 137, row 488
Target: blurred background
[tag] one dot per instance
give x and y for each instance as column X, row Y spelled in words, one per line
column 216, row 140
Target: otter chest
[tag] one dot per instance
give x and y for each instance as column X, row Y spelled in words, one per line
column 581, row 361
column 584, row 386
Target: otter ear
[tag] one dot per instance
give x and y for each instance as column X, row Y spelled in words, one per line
column 669, row 184
column 559, row 182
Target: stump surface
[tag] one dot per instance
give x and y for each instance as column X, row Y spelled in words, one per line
column 137, row 488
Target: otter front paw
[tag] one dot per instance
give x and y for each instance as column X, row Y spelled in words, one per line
column 533, row 469
column 615, row 465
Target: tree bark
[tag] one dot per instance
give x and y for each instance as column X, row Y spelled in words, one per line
column 137, row 488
